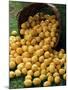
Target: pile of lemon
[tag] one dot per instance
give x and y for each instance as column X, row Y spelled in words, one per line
column 33, row 56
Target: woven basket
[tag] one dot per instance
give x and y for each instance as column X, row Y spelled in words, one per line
column 32, row 9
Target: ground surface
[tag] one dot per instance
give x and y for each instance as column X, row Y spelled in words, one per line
column 14, row 8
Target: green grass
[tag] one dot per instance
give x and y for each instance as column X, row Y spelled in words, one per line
column 16, row 82
column 14, row 8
